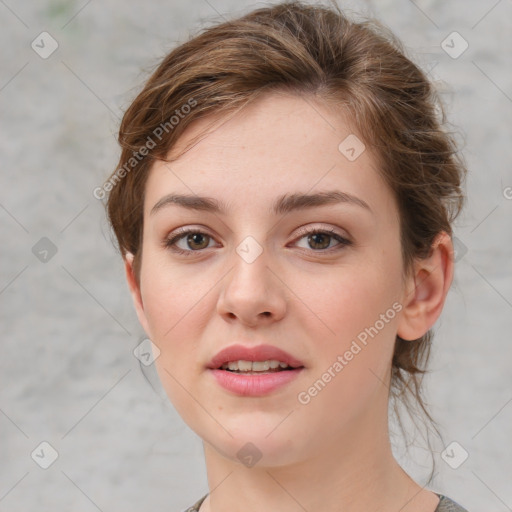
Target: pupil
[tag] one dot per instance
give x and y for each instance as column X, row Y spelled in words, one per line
column 313, row 237
column 194, row 238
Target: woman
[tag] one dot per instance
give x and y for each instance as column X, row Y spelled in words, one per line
column 283, row 204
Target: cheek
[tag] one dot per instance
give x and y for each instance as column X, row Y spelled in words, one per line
column 352, row 362
column 356, row 312
column 172, row 296
column 177, row 307
column 348, row 300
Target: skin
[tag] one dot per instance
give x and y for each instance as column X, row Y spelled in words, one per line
column 332, row 453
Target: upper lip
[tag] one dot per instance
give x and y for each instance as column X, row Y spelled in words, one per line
column 256, row 353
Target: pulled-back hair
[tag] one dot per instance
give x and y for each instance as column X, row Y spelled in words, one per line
column 359, row 68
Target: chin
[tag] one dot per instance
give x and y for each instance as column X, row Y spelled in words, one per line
column 257, row 453
column 252, row 445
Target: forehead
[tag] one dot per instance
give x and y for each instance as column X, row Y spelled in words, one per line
column 279, row 144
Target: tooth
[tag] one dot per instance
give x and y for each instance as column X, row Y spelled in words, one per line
column 254, row 366
column 245, row 365
column 260, row 366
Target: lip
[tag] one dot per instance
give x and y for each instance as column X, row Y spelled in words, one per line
column 256, row 353
column 254, row 385
column 251, row 384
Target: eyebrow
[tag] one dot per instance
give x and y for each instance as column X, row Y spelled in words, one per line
column 282, row 205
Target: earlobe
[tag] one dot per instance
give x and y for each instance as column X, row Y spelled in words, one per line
column 135, row 291
column 427, row 289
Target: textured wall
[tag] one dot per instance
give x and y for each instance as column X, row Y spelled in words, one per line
column 68, row 328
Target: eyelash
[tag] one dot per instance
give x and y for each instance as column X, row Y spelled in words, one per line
column 171, row 243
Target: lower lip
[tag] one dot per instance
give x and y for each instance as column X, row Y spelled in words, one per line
column 254, row 385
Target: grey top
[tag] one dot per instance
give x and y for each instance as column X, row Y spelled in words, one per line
column 445, row 505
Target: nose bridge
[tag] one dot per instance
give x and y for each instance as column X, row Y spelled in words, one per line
column 250, row 250
column 251, row 237
column 251, row 266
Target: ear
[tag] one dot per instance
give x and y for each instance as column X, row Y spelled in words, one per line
column 426, row 289
column 135, row 292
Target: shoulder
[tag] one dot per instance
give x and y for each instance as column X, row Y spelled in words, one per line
column 197, row 504
column 445, row 505
column 448, row 505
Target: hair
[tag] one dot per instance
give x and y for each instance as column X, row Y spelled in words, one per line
column 360, row 68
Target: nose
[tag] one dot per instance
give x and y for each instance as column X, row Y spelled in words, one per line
column 252, row 292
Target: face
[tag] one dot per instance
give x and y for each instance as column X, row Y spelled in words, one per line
column 322, row 282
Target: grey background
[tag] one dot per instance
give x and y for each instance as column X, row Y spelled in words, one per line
column 68, row 327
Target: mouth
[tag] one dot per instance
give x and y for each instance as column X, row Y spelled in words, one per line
column 254, row 371
column 258, row 358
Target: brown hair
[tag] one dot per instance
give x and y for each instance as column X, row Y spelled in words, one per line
column 359, row 67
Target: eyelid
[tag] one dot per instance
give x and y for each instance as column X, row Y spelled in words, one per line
column 179, row 233
column 304, row 230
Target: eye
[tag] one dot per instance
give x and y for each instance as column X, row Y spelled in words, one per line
column 195, row 240
column 321, row 239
